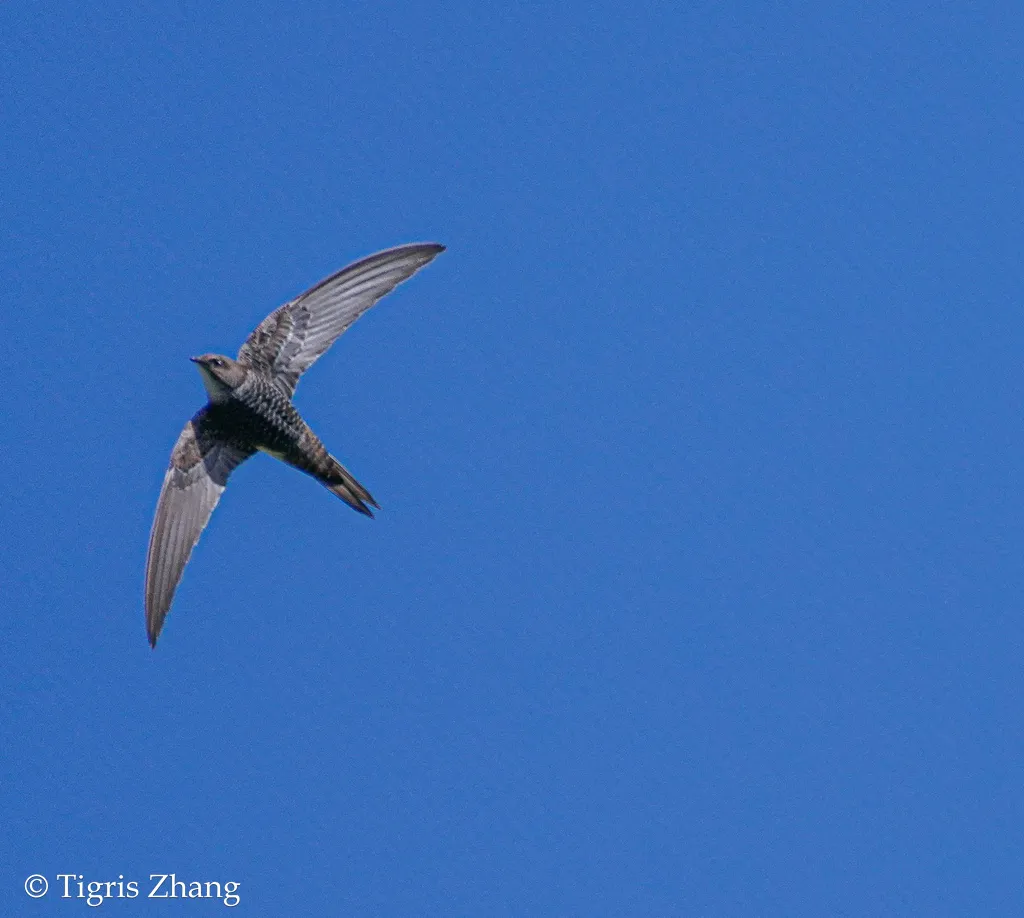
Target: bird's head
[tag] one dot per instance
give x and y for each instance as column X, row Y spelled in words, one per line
column 221, row 375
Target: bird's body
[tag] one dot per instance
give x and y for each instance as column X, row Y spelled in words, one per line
column 255, row 414
column 250, row 409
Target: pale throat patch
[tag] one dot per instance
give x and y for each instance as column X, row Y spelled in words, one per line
column 217, row 391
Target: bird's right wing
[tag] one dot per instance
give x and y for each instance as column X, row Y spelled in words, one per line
column 288, row 341
column 199, row 469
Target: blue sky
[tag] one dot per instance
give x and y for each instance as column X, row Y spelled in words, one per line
column 696, row 587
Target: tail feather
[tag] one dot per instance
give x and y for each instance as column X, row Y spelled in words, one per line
column 339, row 480
column 311, row 457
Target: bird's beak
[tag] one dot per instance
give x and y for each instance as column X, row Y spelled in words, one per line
column 196, row 359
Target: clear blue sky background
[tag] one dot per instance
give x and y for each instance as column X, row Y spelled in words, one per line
column 697, row 584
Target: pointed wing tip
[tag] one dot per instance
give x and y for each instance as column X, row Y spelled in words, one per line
column 152, row 631
column 434, row 248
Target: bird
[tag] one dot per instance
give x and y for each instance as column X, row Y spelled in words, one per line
column 250, row 410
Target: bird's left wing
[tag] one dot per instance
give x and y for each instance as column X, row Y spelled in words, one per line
column 288, row 341
column 200, row 464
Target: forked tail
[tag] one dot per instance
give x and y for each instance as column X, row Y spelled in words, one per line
column 311, row 457
column 340, row 481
